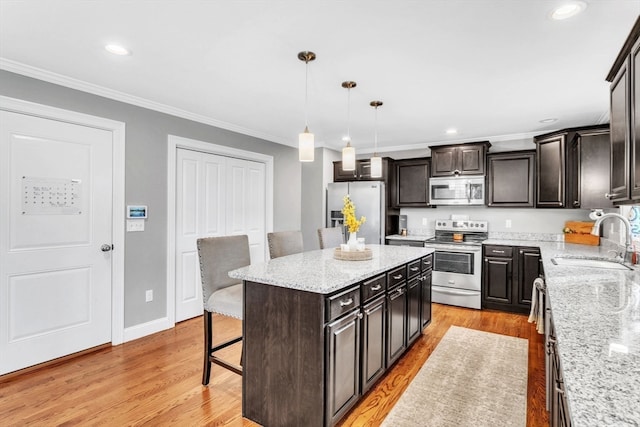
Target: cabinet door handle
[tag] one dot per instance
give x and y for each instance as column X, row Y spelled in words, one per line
column 456, row 172
column 360, row 315
column 376, row 287
column 611, row 195
column 346, row 303
column 398, row 277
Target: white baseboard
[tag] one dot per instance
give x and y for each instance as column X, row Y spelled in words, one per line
column 148, row 328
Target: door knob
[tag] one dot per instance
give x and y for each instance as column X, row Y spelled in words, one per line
column 106, row 247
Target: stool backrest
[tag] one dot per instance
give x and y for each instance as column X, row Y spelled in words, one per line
column 330, row 237
column 218, row 256
column 282, row 243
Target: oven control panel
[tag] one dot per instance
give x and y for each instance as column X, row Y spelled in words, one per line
column 461, row 225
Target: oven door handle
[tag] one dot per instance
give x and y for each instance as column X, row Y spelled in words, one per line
column 452, row 292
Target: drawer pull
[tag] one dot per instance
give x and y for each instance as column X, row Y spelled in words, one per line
column 414, row 268
column 398, row 277
column 346, row 303
column 399, row 291
column 376, row 287
column 497, row 251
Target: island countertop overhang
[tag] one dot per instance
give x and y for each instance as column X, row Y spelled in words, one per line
column 319, row 272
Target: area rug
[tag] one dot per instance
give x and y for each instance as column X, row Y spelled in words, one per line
column 472, row 378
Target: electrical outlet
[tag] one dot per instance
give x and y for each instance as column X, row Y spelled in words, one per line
column 148, row 295
column 424, row 221
column 507, row 223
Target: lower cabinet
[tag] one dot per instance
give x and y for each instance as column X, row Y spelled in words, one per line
column 413, row 309
column 396, row 323
column 343, row 364
column 425, row 311
column 556, row 397
column 373, row 341
column 508, row 273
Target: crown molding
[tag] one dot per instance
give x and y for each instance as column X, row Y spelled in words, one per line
column 61, row 80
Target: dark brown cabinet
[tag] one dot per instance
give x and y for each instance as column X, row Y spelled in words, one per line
column 558, row 406
column 589, row 179
column 425, row 310
column 508, row 273
column 625, row 120
column 460, row 159
column 362, row 171
column 411, row 183
column 510, row 179
column 343, row 365
column 573, row 168
column 497, row 276
column 396, row 322
column 373, row 335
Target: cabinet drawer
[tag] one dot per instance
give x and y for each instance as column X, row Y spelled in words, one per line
column 343, row 302
column 373, row 287
column 414, row 268
column 395, row 276
column 427, row 262
column 498, row 251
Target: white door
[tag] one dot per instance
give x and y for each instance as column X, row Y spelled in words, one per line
column 215, row 196
column 55, row 216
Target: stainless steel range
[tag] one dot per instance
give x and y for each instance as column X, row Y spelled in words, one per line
column 457, row 262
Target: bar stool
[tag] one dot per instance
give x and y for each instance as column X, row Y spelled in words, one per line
column 282, row 243
column 221, row 294
column 331, row 237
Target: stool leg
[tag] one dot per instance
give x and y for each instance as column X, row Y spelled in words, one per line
column 208, row 345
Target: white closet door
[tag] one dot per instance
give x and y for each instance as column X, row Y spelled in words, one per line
column 55, row 216
column 215, row 196
column 246, row 204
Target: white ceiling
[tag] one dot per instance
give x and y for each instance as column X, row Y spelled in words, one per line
column 490, row 68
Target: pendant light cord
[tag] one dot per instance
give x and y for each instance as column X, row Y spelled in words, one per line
column 349, row 115
column 306, row 95
column 375, row 135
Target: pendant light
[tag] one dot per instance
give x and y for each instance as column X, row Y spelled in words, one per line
column 348, row 152
column 376, row 161
column 305, row 139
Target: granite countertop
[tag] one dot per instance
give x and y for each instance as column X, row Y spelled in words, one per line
column 596, row 313
column 318, row 271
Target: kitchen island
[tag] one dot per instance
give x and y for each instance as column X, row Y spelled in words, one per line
column 318, row 331
column 596, row 316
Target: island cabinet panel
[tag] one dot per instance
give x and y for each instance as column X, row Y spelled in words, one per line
column 343, row 365
column 374, row 323
column 425, row 294
column 283, row 379
column 396, row 323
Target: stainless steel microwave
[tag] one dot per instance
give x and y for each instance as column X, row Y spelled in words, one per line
column 460, row 190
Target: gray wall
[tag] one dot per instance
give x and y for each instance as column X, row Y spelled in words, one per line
column 146, row 177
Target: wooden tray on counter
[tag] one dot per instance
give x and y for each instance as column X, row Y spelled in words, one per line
column 353, row 255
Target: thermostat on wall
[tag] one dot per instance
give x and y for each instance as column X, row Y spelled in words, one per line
column 136, row 211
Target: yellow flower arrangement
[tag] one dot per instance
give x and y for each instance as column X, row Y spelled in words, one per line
column 349, row 212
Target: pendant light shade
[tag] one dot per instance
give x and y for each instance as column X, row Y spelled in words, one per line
column 348, row 152
column 376, row 161
column 306, row 147
column 348, row 158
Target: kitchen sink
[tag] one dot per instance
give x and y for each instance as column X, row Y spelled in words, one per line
column 589, row 262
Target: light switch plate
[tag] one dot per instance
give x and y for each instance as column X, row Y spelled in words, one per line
column 135, row 225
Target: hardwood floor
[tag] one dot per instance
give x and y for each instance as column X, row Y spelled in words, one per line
column 156, row 380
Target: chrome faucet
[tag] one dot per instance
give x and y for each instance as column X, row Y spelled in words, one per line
column 628, row 248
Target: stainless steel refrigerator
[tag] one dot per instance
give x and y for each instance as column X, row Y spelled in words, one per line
column 369, row 200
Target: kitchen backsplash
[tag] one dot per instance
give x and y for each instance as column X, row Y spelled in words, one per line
column 546, row 222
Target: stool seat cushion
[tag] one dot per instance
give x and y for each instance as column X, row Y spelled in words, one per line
column 226, row 301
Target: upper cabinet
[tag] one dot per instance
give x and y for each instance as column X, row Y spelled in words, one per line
column 461, row 159
column 411, row 183
column 572, row 168
column 510, row 179
column 625, row 120
column 362, row 171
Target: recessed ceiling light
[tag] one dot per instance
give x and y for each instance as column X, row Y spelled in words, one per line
column 116, row 49
column 550, row 120
column 452, row 131
column 567, row 10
